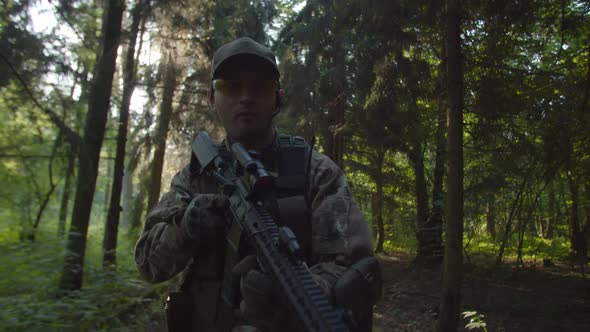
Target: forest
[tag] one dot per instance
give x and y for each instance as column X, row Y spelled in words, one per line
column 459, row 124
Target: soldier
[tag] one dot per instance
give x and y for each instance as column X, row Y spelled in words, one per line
column 184, row 232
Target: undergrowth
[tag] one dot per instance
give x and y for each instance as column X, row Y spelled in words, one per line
column 482, row 248
column 534, row 249
column 109, row 301
column 119, row 300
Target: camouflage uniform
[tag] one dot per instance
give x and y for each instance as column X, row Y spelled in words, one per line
column 338, row 231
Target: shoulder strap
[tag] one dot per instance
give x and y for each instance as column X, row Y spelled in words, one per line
column 292, row 151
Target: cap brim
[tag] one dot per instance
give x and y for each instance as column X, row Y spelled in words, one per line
column 254, row 57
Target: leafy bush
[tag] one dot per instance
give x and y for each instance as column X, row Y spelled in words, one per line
column 476, row 320
column 110, row 300
column 533, row 248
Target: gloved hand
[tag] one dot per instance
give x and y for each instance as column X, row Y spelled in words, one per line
column 260, row 298
column 205, row 217
column 326, row 274
column 261, row 304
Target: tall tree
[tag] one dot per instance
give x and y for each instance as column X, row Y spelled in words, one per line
column 379, row 179
column 435, row 221
column 451, row 288
column 65, row 195
column 89, row 153
column 170, row 72
column 52, row 185
column 129, row 69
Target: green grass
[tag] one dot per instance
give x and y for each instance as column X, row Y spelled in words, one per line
column 119, row 301
column 401, row 244
column 109, row 301
column 533, row 248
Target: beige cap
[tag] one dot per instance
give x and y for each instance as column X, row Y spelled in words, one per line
column 242, row 46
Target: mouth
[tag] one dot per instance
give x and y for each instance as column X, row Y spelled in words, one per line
column 245, row 115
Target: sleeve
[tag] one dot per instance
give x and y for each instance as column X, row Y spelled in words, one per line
column 338, row 225
column 163, row 249
column 342, row 244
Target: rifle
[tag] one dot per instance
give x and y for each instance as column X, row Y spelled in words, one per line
column 247, row 185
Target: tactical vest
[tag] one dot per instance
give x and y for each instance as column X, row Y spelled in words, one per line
column 290, row 207
column 287, row 162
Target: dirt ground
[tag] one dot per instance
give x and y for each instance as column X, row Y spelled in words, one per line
column 535, row 298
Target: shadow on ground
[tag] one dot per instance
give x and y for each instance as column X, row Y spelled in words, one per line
column 535, row 298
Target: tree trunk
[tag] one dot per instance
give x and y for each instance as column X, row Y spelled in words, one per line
column 112, row 224
column 378, row 208
column 127, row 196
column 171, row 74
column 138, row 207
column 107, row 189
column 586, row 228
column 551, row 213
column 584, row 120
column 561, row 210
column 491, row 216
column 421, row 191
column 451, row 288
column 426, row 233
column 516, row 206
column 65, row 196
column 577, row 239
column 42, row 207
column 435, row 222
column 135, row 203
column 98, row 107
column 524, row 223
column 45, row 200
column 333, row 135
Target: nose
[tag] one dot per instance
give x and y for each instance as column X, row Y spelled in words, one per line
column 246, row 94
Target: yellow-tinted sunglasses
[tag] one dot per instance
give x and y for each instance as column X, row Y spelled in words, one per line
column 258, row 88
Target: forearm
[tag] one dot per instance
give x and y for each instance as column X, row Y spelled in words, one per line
column 339, row 228
column 164, row 249
column 342, row 244
column 162, row 252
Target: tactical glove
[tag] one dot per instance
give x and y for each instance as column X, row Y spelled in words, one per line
column 326, row 275
column 205, row 217
column 261, row 303
column 259, row 294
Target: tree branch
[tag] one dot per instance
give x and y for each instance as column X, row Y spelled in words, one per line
column 71, row 136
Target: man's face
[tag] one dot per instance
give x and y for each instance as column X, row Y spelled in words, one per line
column 244, row 99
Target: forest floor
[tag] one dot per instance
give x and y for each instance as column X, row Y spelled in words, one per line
column 534, row 298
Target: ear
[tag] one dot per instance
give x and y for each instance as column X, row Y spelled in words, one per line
column 280, row 96
column 211, row 98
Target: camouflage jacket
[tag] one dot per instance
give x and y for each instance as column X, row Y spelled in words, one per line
column 338, row 227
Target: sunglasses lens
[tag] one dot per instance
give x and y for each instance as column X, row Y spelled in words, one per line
column 233, row 88
column 267, row 87
column 227, row 87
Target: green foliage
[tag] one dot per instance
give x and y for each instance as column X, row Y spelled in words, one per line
column 242, row 18
column 534, row 248
column 476, row 320
column 26, row 142
column 400, row 244
column 367, row 75
column 21, row 50
column 110, row 301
